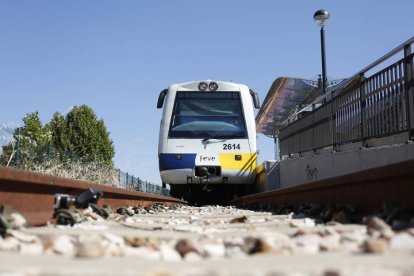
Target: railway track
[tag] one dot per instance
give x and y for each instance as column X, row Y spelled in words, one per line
column 32, row 194
column 390, row 186
column 162, row 236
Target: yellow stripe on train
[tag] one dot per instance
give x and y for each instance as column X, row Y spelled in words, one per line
column 248, row 161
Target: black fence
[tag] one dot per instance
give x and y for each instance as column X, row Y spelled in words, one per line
column 381, row 105
column 129, row 181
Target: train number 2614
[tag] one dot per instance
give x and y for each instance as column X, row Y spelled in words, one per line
column 231, row 146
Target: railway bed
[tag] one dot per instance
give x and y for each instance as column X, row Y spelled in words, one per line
column 208, row 240
column 163, row 236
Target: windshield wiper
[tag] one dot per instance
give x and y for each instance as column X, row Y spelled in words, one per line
column 223, row 137
column 208, row 138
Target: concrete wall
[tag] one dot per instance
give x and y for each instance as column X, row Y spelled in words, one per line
column 268, row 176
column 304, row 169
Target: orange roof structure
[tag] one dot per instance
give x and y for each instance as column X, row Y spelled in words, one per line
column 283, row 97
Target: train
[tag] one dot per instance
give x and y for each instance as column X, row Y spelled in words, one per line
column 207, row 140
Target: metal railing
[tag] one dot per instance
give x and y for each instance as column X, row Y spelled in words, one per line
column 360, row 109
column 131, row 182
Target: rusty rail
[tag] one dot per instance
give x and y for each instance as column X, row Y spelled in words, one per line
column 368, row 190
column 32, row 194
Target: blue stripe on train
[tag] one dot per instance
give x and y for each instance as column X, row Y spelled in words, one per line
column 167, row 161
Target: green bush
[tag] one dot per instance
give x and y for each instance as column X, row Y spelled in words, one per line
column 63, row 145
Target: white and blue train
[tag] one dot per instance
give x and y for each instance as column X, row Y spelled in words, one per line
column 207, row 136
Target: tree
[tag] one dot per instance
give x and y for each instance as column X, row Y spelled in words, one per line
column 87, row 136
column 29, row 142
column 59, row 134
column 32, row 131
column 78, row 135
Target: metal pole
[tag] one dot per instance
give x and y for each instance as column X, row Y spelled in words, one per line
column 363, row 106
column 17, row 161
column 277, row 150
column 323, row 60
column 119, row 177
column 126, row 184
column 324, row 84
column 409, row 91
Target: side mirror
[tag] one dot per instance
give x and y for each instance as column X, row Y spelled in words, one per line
column 161, row 98
column 255, row 98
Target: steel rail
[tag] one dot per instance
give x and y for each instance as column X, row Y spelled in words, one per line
column 368, row 190
column 32, row 194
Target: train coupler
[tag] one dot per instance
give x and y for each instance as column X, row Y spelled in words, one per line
column 205, row 188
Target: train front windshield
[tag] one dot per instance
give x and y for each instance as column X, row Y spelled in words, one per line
column 207, row 115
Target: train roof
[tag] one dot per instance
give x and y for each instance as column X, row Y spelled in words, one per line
column 222, row 85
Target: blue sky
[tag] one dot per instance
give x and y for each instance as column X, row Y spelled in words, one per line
column 116, row 56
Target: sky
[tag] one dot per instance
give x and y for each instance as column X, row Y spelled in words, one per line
column 116, row 56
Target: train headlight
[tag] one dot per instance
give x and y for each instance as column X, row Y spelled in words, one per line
column 178, row 157
column 213, row 86
column 202, row 86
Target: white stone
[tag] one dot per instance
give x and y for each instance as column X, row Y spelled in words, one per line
column 235, row 252
column 9, row 244
column 169, row 254
column 214, row 249
column 112, row 250
column 119, row 241
column 354, row 236
column 171, row 222
column 306, row 222
column 23, row 237
column 196, row 221
column 307, row 243
column 31, row 248
column 89, row 225
column 90, row 247
column 377, row 227
column 191, row 229
column 275, row 243
column 192, row 257
column 349, row 247
column 130, row 220
column 330, row 242
column 142, row 252
column 64, row 245
column 257, row 220
column 17, row 220
column 402, row 241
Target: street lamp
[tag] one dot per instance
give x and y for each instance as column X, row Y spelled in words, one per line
column 321, row 17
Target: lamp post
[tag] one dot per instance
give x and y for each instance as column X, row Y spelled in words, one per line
column 321, row 17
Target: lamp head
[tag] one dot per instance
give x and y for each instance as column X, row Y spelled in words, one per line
column 321, row 16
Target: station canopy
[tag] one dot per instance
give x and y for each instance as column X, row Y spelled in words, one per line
column 284, row 96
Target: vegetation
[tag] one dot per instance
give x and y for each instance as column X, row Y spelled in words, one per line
column 28, row 142
column 76, row 145
column 82, row 134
